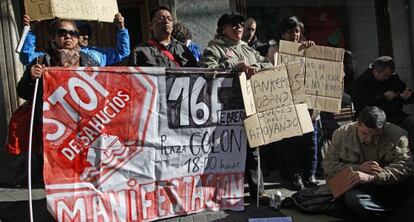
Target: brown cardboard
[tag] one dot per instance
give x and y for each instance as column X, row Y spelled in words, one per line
column 291, row 48
column 323, row 80
column 297, row 82
column 331, row 105
column 339, row 184
column 304, row 118
column 254, row 131
column 271, row 89
column 325, row 53
column 248, row 99
column 100, row 10
column 276, row 124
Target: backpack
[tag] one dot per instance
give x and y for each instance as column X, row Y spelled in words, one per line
column 318, row 200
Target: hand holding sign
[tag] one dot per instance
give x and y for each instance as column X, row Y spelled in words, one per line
column 119, row 21
column 100, row 10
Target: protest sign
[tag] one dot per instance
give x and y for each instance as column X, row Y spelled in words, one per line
column 129, row 144
column 273, row 93
column 100, row 10
column 323, row 73
column 276, row 124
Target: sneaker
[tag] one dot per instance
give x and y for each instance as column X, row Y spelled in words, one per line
column 311, row 181
column 297, row 183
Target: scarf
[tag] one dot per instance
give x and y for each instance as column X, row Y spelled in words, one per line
column 66, row 57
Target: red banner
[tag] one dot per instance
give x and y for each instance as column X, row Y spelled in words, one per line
column 117, row 147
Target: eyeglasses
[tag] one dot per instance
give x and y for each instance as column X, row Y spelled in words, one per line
column 65, row 32
column 162, row 18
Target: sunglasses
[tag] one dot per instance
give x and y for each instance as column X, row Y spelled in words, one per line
column 65, row 32
column 236, row 23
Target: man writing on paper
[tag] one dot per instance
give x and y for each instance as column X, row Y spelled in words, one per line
column 378, row 153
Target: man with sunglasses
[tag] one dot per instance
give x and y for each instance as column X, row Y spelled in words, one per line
column 93, row 56
column 162, row 50
column 380, row 86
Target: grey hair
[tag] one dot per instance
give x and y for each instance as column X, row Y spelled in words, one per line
column 372, row 117
column 382, row 63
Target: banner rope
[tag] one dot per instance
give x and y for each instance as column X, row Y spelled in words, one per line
column 29, row 165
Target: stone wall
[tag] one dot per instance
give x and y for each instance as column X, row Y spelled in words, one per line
column 201, row 17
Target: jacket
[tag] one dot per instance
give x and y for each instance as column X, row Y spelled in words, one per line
column 393, row 153
column 149, row 55
column 97, row 56
column 195, row 49
column 226, row 54
column 368, row 91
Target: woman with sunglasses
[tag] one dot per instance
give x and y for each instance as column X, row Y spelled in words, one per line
column 92, row 56
column 65, row 51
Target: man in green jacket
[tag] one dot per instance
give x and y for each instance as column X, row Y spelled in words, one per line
column 382, row 164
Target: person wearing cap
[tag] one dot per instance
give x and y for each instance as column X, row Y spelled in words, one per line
column 381, row 183
column 380, row 86
column 162, row 49
column 92, row 56
column 228, row 51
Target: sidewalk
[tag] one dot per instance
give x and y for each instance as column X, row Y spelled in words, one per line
column 14, row 207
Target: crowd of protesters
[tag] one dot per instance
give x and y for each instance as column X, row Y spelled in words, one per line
column 377, row 150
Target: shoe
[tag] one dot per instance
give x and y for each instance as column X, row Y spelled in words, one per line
column 297, row 183
column 311, row 181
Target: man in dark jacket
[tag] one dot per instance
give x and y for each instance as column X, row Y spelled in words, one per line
column 250, row 37
column 380, row 86
column 162, row 50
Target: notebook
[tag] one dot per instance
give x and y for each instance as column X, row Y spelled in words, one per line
column 339, row 184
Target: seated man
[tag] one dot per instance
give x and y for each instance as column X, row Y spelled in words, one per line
column 380, row 86
column 162, row 50
column 383, row 166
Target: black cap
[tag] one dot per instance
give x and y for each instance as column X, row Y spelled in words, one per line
column 232, row 18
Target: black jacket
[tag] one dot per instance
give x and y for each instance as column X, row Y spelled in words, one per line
column 370, row 92
column 148, row 55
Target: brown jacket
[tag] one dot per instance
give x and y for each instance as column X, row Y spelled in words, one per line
column 393, row 154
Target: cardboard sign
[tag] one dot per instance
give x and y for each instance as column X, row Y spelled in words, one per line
column 274, row 94
column 271, row 89
column 100, row 10
column 323, row 68
column 139, row 144
column 276, row 124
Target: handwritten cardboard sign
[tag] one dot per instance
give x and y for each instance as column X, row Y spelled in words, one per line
column 100, row 10
column 271, row 89
column 271, row 100
column 323, row 73
column 276, row 124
